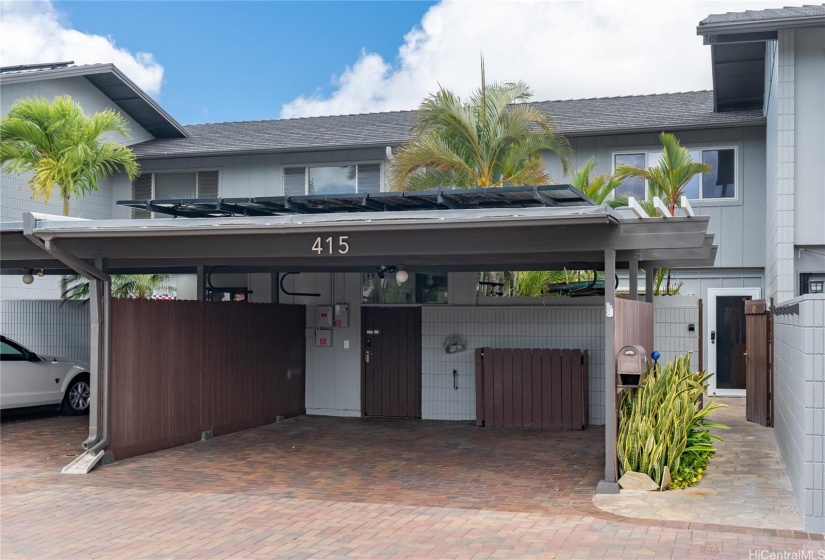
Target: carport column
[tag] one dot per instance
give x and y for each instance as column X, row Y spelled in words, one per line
column 650, row 278
column 633, row 272
column 608, row 485
column 201, row 283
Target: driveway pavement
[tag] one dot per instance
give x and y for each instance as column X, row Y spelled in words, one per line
column 316, row 487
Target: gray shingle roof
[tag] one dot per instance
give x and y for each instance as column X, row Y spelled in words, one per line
column 573, row 117
column 772, row 14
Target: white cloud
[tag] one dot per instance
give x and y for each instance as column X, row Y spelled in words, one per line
column 563, row 50
column 34, row 32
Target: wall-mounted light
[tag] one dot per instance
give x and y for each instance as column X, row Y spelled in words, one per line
column 401, row 275
column 41, row 273
column 27, row 276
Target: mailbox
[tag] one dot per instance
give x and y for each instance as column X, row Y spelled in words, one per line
column 631, row 367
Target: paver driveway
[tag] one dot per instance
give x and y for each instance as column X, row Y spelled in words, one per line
column 323, row 487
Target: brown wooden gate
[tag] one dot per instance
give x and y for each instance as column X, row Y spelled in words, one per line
column 391, row 361
column 180, row 368
column 758, row 362
column 532, row 388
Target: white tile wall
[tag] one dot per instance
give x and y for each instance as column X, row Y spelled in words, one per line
column 799, row 404
column 566, row 326
column 47, row 328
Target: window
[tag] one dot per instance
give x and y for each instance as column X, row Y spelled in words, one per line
column 419, row 288
column 11, row 353
column 175, row 184
column 720, row 183
column 361, row 178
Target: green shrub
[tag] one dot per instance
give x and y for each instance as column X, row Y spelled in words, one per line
column 660, row 424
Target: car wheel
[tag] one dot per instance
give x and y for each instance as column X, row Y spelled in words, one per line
column 77, row 397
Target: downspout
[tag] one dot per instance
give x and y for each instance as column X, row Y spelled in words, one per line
column 100, row 355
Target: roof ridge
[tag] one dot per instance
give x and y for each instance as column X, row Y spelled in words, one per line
column 399, row 111
column 402, row 111
column 637, row 96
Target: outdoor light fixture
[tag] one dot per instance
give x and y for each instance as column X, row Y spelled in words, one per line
column 401, row 275
column 41, row 273
column 383, row 270
column 27, row 276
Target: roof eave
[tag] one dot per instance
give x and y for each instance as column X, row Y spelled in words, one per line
column 91, row 69
column 761, row 25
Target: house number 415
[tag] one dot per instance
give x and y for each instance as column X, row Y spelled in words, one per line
column 328, row 246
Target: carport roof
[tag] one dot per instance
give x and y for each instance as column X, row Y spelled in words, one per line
column 455, row 240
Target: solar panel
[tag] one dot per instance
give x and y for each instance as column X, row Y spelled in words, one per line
column 438, row 199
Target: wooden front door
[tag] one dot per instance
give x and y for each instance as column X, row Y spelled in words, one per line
column 391, row 361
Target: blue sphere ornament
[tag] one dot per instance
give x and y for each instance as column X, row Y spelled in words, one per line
column 655, row 355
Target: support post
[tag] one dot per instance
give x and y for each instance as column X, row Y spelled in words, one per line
column 201, row 282
column 650, row 278
column 633, row 272
column 609, row 485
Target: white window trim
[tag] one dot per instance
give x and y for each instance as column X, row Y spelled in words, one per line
column 195, row 171
column 736, row 184
column 307, row 166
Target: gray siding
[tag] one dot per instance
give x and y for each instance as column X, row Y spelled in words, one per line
column 799, row 404
column 738, row 224
column 810, row 137
column 82, row 91
column 780, row 147
column 249, row 175
column 48, row 328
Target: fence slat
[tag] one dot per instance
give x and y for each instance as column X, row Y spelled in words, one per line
column 538, row 391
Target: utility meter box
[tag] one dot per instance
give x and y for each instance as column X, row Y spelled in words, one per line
column 631, row 367
column 323, row 337
column 323, row 317
column 340, row 318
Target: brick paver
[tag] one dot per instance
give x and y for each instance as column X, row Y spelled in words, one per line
column 333, row 488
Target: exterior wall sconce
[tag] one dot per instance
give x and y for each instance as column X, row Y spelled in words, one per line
column 401, row 275
column 27, row 276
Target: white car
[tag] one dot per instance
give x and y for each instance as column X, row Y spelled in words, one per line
column 27, row 380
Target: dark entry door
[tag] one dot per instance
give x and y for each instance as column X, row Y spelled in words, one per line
column 730, row 342
column 391, row 361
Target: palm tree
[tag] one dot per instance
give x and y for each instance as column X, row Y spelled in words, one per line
column 62, row 147
column 668, row 179
column 495, row 139
column 127, row 286
column 597, row 188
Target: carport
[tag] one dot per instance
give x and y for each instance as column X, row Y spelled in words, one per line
column 554, row 230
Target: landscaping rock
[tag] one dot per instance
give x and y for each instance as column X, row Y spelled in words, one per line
column 638, row 482
column 666, row 479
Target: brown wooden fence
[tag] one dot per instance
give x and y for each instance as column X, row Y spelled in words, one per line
column 532, row 388
column 633, row 324
column 183, row 367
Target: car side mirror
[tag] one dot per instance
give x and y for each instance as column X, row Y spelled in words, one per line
column 32, row 357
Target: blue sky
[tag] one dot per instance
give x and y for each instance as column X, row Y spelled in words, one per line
column 243, row 60
column 227, row 61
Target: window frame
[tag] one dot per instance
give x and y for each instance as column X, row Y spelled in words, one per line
column 700, row 149
column 308, row 166
column 195, row 171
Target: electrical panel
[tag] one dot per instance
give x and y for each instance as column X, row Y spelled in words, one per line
column 341, row 317
column 323, row 316
column 323, row 337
